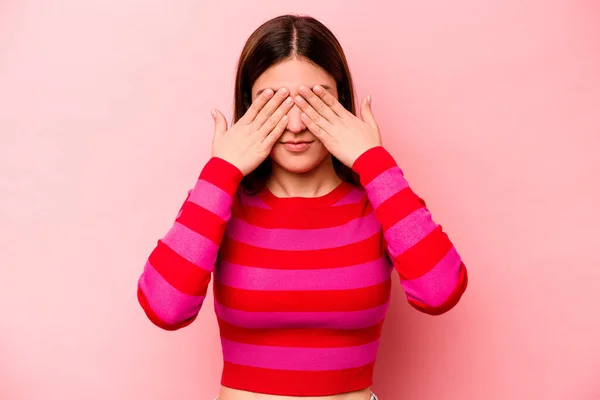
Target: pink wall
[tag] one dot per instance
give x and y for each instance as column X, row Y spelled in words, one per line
column 491, row 108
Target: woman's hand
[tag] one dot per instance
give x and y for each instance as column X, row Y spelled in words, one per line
column 345, row 135
column 250, row 140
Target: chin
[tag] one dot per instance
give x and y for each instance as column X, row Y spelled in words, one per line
column 298, row 163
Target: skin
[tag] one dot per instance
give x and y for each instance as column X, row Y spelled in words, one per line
column 314, row 115
column 309, row 173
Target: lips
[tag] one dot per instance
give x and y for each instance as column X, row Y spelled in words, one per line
column 296, row 146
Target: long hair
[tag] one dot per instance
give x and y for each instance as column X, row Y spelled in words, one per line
column 280, row 39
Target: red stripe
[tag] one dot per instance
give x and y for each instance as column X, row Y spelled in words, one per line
column 154, row 318
column 453, row 299
column 372, row 163
column 320, row 218
column 179, row 272
column 352, row 254
column 222, row 174
column 397, row 207
column 303, row 300
column 202, row 221
column 423, row 256
column 300, row 337
column 296, row 383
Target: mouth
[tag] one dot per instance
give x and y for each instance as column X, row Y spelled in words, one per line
column 297, row 146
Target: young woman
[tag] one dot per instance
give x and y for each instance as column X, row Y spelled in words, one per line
column 302, row 216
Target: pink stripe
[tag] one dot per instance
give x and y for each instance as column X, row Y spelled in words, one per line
column 434, row 288
column 299, row 359
column 192, row 246
column 212, row 198
column 355, row 196
column 303, row 239
column 327, row 320
column 385, row 185
column 168, row 303
column 409, row 231
column 353, row 277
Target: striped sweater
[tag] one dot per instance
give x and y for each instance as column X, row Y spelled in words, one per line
column 301, row 285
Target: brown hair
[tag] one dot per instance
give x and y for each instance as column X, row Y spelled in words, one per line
column 281, row 39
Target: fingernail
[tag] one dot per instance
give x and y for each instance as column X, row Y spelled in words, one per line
column 288, row 101
column 268, row 93
column 299, row 99
column 369, row 99
column 303, row 89
column 318, row 89
column 213, row 113
column 283, row 91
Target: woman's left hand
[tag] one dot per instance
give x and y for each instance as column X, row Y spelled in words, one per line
column 344, row 134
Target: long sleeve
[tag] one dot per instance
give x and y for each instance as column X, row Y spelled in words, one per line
column 431, row 271
column 176, row 275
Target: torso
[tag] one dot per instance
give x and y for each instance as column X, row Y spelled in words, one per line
column 300, row 296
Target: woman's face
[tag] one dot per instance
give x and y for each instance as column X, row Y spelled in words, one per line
column 298, row 158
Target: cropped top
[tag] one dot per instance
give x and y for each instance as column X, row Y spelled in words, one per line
column 301, row 285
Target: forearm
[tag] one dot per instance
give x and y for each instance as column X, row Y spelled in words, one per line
column 431, row 270
column 176, row 275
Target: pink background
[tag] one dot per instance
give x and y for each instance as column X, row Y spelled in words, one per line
column 491, row 108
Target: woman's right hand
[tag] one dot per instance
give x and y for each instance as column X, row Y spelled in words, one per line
column 250, row 140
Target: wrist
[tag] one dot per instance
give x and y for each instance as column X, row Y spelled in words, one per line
column 222, row 174
column 373, row 162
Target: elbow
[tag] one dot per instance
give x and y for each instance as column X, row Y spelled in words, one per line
column 435, row 310
column 449, row 302
column 171, row 321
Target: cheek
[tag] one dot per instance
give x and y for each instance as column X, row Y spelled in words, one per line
column 319, row 147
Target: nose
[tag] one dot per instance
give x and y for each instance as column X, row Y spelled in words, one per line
column 295, row 123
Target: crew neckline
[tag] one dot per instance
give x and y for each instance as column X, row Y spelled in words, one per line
column 325, row 200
